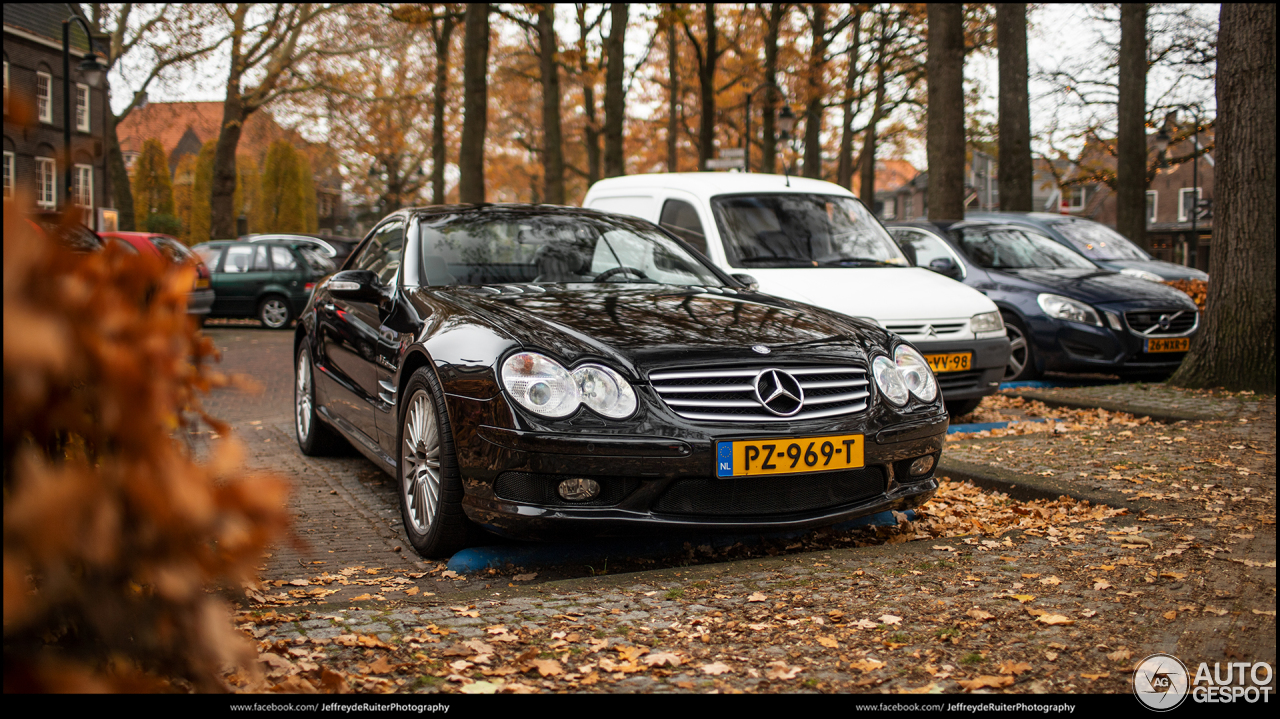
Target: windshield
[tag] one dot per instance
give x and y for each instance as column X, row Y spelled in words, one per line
column 1099, row 242
column 795, row 230
column 520, row 248
column 1014, row 249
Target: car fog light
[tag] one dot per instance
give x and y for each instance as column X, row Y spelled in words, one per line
column 579, row 489
column 921, row 466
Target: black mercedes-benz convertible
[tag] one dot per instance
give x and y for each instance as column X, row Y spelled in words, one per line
column 548, row 371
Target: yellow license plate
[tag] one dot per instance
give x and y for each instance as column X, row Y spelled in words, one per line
column 1174, row 344
column 201, row 284
column 951, row 362
column 788, row 455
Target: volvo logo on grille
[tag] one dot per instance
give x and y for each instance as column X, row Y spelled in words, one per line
column 779, row 392
column 1165, row 322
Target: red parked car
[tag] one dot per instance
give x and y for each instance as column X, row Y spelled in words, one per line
column 201, row 297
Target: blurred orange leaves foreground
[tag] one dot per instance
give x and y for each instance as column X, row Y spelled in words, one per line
column 112, row 530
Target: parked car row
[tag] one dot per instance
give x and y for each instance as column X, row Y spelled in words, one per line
column 712, row 352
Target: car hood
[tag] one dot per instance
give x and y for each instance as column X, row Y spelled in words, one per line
column 1167, row 270
column 1094, row 286
column 885, row 294
column 643, row 327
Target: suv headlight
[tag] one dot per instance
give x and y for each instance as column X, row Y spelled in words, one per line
column 916, row 373
column 543, row 386
column 1065, row 308
column 987, row 322
column 889, row 380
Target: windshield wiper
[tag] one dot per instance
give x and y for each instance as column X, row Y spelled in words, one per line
column 857, row 261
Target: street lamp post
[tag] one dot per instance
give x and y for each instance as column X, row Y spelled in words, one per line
column 93, row 72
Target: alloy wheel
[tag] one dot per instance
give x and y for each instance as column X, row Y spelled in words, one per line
column 420, row 466
column 302, row 396
column 1018, row 353
column 274, row 313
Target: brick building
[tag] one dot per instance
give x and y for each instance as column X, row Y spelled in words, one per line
column 34, row 153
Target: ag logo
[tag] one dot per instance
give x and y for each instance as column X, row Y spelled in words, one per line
column 1160, row 682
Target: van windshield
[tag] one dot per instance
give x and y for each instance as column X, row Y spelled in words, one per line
column 800, row 230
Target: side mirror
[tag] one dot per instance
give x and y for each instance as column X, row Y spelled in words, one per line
column 945, row 266
column 750, row 282
column 358, row 285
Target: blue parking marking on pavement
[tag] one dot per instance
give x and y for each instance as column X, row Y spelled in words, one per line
column 981, row 426
column 479, row 558
column 724, row 459
column 1050, row 384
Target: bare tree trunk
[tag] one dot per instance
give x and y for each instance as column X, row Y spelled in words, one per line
column 707, row 91
column 1015, row 114
column 475, row 103
column 844, row 171
column 1131, row 136
column 673, row 97
column 552, row 139
column 438, row 99
column 614, row 96
column 945, row 142
column 121, row 190
column 1236, row 346
column 222, row 199
column 769, row 141
column 814, row 105
column 867, row 169
column 591, row 133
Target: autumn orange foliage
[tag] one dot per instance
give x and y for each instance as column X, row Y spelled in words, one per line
column 113, row 532
column 1198, row 290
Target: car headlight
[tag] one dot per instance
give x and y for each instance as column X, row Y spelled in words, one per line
column 1142, row 274
column 915, row 372
column 889, row 380
column 605, row 391
column 986, row 322
column 543, row 386
column 1065, row 308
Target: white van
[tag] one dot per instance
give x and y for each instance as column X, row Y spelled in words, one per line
column 815, row 242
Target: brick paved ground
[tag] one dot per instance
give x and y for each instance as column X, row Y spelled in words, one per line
column 1158, row 401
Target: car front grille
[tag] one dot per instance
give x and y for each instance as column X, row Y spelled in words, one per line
column 953, row 381
column 920, row 328
column 769, row 494
column 729, row 395
column 1147, row 322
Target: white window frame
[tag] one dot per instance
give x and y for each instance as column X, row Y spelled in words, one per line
column 1155, row 206
column 46, row 110
column 8, row 175
column 82, row 191
column 82, row 111
column 1183, row 214
column 1078, row 192
column 46, row 183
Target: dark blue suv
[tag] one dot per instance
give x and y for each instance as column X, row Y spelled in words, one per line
column 1063, row 312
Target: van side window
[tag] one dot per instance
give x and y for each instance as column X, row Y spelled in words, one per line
column 682, row 220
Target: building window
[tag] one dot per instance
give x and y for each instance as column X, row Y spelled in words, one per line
column 906, row 214
column 888, row 206
column 8, row 174
column 6, row 88
column 82, row 191
column 44, row 102
column 82, row 107
column 1187, row 198
column 46, row 183
column 1151, row 206
column 1076, row 198
column 129, row 159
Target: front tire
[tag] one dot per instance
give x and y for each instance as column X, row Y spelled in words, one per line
column 1022, row 360
column 315, row 438
column 274, row 312
column 430, row 482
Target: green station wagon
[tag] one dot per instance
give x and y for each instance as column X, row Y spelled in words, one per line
column 267, row 280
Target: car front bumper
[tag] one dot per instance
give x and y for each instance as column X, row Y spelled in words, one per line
column 985, row 370
column 663, row 485
column 1075, row 347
